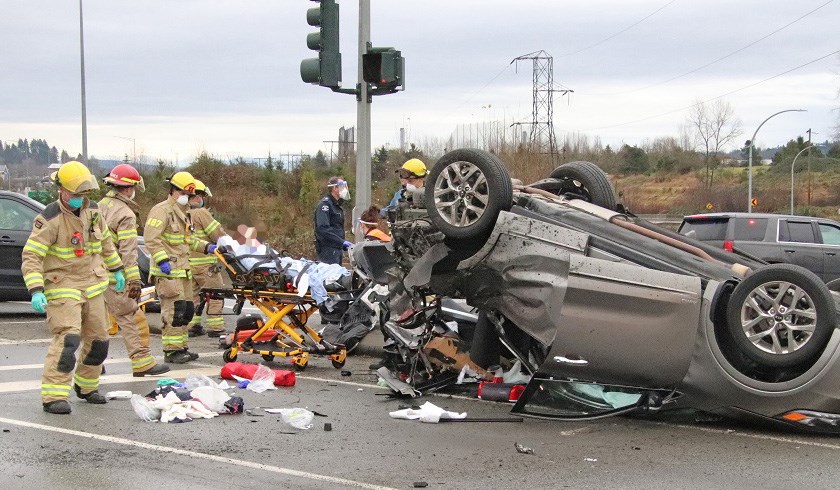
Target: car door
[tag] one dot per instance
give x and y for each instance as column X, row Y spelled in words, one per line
column 798, row 238
column 16, row 216
column 624, row 324
column 830, row 234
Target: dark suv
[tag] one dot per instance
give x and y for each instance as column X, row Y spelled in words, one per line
column 813, row 243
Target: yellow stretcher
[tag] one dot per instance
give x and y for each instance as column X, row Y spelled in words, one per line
column 285, row 332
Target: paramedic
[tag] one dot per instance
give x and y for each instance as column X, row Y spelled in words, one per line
column 65, row 267
column 329, row 222
column 120, row 213
column 369, row 222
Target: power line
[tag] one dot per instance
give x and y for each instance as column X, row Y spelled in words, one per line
column 602, row 41
column 716, row 97
column 677, row 77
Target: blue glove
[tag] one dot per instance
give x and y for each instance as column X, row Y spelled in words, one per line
column 211, row 248
column 347, row 245
column 39, row 302
column 165, row 267
column 120, row 278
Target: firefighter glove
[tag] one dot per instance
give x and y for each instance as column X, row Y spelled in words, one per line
column 347, row 244
column 210, row 248
column 39, row 302
column 165, row 267
column 134, row 290
column 119, row 277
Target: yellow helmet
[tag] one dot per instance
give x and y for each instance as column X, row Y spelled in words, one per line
column 183, row 180
column 75, row 177
column 415, row 166
column 202, row 188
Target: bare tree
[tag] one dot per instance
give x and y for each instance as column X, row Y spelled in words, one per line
column 712, row 127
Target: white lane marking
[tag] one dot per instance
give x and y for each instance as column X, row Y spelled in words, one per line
column 110, row 379
column 726, row 432
column 39, row 320
column 27, row 341
column 194, row 454
column 123, row 360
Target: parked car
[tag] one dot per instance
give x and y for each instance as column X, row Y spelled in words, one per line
column 16, row 215
column 612, row 314
column 813, row 243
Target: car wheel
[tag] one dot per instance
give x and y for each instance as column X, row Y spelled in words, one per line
column 586, row 181
column 781, row 316
column 465, row 191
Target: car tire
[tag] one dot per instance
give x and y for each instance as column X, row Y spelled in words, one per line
column 586, row 181
column 763, row 303
column 465, row 192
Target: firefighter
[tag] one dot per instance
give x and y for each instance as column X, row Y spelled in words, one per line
column 120, row 213
column 329, row 222
column 169, row 235
column 206, row 270
column 65, row 267
column 412, row 177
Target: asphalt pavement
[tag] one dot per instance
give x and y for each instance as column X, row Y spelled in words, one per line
column 109, row 446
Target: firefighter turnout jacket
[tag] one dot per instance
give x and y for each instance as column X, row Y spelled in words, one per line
column 69, row 256
column 170, row 235
column 207, row 229
column 120, row 215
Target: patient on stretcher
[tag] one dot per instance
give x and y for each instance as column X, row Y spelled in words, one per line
column 307, row 276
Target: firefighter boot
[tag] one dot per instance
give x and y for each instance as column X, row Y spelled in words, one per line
column 155, row 370
column 92, row 397
column 196, row 330
column 61, row 407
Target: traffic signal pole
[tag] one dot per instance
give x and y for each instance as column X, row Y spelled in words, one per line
column 381, row 72
column 363, row 171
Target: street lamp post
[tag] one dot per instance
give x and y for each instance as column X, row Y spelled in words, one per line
column 749, row 161
column 792, row 165
column 84, row 109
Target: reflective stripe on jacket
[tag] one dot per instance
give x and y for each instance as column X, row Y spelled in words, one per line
column 169, row 235
column 68, row 256
column 120, row 215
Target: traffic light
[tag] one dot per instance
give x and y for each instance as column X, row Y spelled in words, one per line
column 383, row 68
column 325, row 70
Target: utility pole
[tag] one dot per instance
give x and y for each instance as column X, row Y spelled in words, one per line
column 809, row 167
column 84, row 104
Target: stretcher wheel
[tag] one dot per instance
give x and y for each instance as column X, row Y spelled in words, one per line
column 228, row 355
column 268, row 358
column 299, row 367
column 337, row 364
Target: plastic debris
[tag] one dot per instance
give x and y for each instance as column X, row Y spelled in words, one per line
column 522, row 449
column 262, row 380
column 211, row 397
column 428, row 413
column 327, row 427
column 299, row 418
column 591, row 460
column 231, row 370
column 119, row 395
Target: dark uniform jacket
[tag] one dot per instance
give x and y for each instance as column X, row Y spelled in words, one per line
column 329, row 230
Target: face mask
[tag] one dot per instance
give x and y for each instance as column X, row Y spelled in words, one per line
column 183, row 200
column 197, row 204
column 344, row 193
column 76, row 202
column 411, row 188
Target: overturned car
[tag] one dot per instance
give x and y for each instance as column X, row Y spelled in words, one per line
column 609, row 313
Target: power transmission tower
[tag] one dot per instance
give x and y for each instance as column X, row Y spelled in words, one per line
column 542, row 113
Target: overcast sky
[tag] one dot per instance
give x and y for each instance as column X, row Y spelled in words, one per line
column 185, row 76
